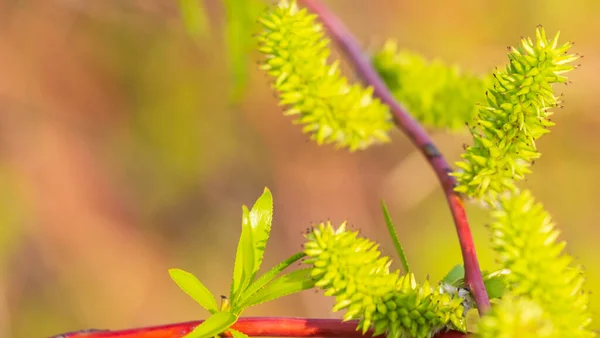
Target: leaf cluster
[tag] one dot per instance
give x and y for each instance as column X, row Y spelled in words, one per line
column 246, row 289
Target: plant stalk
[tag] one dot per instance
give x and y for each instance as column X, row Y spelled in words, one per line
column 253, row 327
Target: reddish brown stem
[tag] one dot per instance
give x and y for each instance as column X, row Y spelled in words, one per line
column 254, row 327
column 342, row 36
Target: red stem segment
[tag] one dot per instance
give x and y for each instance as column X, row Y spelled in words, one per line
column 253, row 327
column 342, row 36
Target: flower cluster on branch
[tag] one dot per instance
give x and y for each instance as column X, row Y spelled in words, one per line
column 329, row 108
column 352, row 269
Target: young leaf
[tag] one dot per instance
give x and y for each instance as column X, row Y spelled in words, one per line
column 195, row 289
column 194, row 17
column 394, row 235
column 237, row 334
column 256, row 227
column 495, row 285
column 495, row 282
column 214, row 325
column 267, row 277
column 261, row 217
column 244, row 258
column 455, row 276
column 292, row 282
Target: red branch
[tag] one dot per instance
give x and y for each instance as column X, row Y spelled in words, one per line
column 254, row 327
column 342, row 36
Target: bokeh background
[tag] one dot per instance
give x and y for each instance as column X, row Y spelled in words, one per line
column 128, row 144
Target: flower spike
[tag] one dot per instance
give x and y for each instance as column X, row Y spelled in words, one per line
column 331, row 110
column 352, row 269
column 516, row 115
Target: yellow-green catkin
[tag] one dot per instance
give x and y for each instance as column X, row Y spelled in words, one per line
column 436, row 94
column 513, row 317
column 330, row 109
column 352, row 269
column 516, row 115
column 526, row 242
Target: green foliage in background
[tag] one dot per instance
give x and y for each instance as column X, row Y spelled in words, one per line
column 194, row 18
column 11, row 212
column 241, row 20
column 436, row 94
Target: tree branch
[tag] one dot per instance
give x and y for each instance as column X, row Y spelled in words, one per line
column 253, row 327
column 417, row 134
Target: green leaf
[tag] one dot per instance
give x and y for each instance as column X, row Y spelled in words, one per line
column 244, row 258
column 256, row 228
column 194, row 17
column 261, row 218
column 496, row 283
column 455, row 276
column 292, row 282
column 238, row 334
column 214, row 325
column 195, row 289
column 394, row 235
column 267, row 277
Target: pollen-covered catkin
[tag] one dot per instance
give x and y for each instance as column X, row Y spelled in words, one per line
column 352, row 269
column 330, row 109
column 436, row 94
column 516, row 115
column 526, row 242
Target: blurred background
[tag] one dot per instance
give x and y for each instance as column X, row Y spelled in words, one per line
column 129, row 142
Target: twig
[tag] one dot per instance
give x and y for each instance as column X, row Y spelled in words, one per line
column 254, row 327
column 342, row 36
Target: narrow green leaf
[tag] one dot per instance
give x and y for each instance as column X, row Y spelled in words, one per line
column 394, row 235
column 195, row 289
column 267, row 277
column 214, row 325
column 244, row 258
column 455, row 276
column 237, row 334
column 261, row 217
column 194, row 17
column 496, row 283
column 292, row 282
